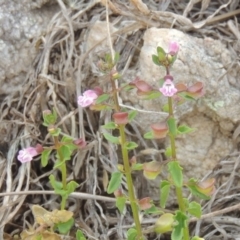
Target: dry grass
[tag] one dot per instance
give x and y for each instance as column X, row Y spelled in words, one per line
column 59, row 73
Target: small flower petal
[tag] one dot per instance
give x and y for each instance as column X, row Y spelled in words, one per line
column 168, row 89
column 173, row 48
column 27, row 154
column 87, row 98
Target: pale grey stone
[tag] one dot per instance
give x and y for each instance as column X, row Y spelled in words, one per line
column 215, row 116
column 21, row 22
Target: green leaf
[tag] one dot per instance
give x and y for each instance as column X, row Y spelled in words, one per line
column 168, row 152
column 185, row 129
column 192, row 187
column 50, row 119
column 152, row 95
column 164, row 223
column 186, row 202
column 177, row 233
column 195, row 209
column 71, row 186
column 39, row 237
column 116, row 57
column 131, row 115
column 172, row 126
column 79, row 235
column 120, row 203
column 108, row 58
column 164, row 193
column 110, row 125
column 68, row 142
column 45, row 157
column 161, row 54
column 165, row 108
column 111, row 138
column 130, row 145
column 58, row 164
column 64, row 153
column 131, row 234
column 115, row 182
column 65, row 227
column 56, row 185
column 197, row 238
column 148, row 135
column 153, row 210
column 102, row 98
column 137, row 166
column 156, row 60
column 56, row 132
column 175, row 171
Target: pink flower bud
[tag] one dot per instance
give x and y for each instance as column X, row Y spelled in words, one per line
column 145, row 203
column 141, row 86
column 39, row 148
column 81, row 143
column 27, row 154
column 207, row 186
column 168, row 89
column 87, row 98
column 120, row 118
column 46, row 112
column 118, row 193
column 173, row 48
column 196, row 90
column 98, row 91
column 168, row 77
column 159, row 130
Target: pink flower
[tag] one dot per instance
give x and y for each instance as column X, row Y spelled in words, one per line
column 87, row 98
column 27, row 154
column 168, row 89
column 173, row 48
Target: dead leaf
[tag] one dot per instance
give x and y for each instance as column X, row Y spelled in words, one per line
column 44, row 217
column 105, row 180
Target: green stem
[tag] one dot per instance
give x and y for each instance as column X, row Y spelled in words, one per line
column 128, row 175
column 63, row 170
column 127, row 168
column 179, row 192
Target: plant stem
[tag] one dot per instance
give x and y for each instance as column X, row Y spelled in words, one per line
column 127, row 168
column 63, row 172
column 128, row 175
column 179, row 192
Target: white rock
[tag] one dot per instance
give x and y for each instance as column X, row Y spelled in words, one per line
column 215, row 116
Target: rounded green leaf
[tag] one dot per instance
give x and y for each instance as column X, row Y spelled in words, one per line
column 185, row 129
column 148, row 135
column 109, row 125
column 132, row 114
column 102, row 98
column 45, row 157
column 195, row 209
column 115, row 182
column 65, row 227
column 175, row 171
column 130, row 145
column 71, row 186
column 177, row 232
column 164, row 223
column 172, row 126
column 132, row 234
column 80, row 235
column 156, row 60
column 111, row 138
column 164, row 193
column 120, row 203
